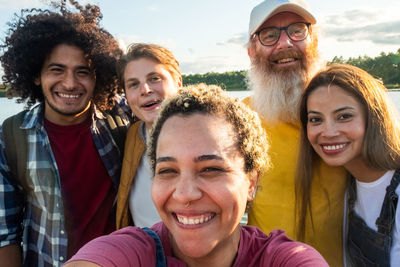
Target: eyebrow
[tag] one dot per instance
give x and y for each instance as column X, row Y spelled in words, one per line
column 165, row 159
column 208, row 157
column 147, row 75
column 335, row 111
column 153, row 73
column 197, row 159
column 80, row 67
column 131, row 79
column 343, row 108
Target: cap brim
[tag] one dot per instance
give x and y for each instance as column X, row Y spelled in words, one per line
column 289, row 8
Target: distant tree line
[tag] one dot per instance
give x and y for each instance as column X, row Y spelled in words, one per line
column 231, row 81
column 385, row 67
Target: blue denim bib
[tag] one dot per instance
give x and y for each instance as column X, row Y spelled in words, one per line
column 365, row 246
column 160, row 256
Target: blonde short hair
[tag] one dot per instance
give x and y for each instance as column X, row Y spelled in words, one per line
column 150, row 51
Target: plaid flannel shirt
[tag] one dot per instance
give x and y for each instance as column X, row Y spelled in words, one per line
column 38, row 222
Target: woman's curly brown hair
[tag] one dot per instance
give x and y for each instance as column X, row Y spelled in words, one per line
column 34, row 34
column 251, row 139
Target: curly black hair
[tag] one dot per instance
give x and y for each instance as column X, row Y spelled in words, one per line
column 252, row 141
column 36, row 32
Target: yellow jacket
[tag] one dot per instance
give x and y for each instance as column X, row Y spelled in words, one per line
column 134, row 149
column 274, row 204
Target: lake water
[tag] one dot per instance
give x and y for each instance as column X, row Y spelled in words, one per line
column 9, row 107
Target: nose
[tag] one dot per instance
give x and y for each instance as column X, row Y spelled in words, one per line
column 330, row 129
column 186, row 190
column 284, row 41
column 145, row 89
column 69, row 81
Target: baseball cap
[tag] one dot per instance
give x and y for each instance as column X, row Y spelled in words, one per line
column 268, row 8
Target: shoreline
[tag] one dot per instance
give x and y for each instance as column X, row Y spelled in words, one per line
column 3, row 93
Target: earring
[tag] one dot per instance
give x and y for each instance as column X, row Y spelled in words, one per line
column 187, row 204
column 253, row 193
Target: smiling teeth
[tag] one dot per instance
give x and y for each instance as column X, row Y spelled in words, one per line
column 193, row 221
column 152, row 103
column 68, row 96
column 334, row 147
column 286, row 60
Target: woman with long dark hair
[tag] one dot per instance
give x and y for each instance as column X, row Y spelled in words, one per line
column 347, row 120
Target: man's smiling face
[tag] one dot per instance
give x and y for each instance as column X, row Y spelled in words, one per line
column 68, row 83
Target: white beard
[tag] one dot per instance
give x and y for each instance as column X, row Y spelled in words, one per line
column 277, row 95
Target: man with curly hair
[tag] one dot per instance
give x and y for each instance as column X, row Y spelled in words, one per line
column 66, row 62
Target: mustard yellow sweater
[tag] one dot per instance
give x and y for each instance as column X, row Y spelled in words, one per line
column 134, row 149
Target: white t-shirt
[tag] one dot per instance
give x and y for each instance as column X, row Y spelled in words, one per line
column 141, row 206
column 368, row 206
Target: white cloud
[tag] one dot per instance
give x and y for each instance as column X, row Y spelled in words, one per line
column 360, row 32
column 125, row 40
column 152, row 8
column 219, row 59
column 18, row 4
column 354, row 16
column 386, row 33
column 26, row 4
column 238, row 39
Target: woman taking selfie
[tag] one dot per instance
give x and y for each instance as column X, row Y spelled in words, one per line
column 149, row 73
column 207, row 151
column 348, row 121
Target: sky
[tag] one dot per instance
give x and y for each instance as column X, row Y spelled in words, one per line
column 210, row 35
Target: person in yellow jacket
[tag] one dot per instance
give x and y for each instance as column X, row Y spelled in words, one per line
column 283, row 52
column 149, row 73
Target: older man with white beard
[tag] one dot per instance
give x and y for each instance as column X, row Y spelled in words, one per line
column 283, row 51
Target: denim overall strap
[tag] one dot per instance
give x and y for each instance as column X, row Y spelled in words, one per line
column 160, row 256
column 352, row 193
column 385, row 221
column 365, row 246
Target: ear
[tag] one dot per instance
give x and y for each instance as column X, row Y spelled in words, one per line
column 179, row 82
column 253, row 178
column 251, row 52
column 37, row 81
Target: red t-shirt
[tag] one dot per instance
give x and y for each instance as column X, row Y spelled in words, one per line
column 87, row 190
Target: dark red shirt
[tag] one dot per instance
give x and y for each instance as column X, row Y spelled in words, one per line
column 131, row 246
column 87, row 190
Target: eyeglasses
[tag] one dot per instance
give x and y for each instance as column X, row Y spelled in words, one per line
column 296, row 32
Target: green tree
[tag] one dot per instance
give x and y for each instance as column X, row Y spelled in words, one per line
column 385, row 66
column 232, row 80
